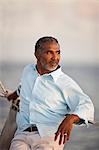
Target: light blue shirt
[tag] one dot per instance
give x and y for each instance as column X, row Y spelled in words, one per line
column 47, row 98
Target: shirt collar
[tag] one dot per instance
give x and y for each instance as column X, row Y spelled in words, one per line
column 55, row 74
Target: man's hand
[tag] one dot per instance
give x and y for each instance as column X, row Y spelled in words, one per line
column 11, row 95
column 7, row 93
column 65, row 128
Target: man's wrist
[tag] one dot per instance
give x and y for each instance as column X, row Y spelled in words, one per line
column 74, row 118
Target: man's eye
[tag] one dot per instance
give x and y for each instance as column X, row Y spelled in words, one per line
column 58, row 52
column 48, row 52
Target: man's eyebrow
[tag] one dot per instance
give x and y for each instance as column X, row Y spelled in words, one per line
column 51, row 50
column 58, row 50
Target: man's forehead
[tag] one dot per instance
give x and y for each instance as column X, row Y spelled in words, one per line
column 51, row 45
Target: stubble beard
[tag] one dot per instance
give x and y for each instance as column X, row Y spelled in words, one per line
column 50, row 67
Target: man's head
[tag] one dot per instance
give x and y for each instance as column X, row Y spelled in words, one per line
column 47, row 52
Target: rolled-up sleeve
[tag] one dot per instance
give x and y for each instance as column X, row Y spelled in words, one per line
column 80, row 104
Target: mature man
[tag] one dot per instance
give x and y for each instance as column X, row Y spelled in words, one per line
column 51, row 102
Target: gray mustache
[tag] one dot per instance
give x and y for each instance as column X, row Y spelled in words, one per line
column 54, row 62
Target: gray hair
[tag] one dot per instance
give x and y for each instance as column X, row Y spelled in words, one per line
column 42, row 40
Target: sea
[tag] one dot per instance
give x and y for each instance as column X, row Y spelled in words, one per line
column 82, row 138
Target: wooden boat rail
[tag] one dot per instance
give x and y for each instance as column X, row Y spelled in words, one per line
column 10, row 126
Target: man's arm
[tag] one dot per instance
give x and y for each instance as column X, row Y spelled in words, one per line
column 81, row 109
column 65, row 128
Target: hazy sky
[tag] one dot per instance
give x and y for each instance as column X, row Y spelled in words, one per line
column 75, row 23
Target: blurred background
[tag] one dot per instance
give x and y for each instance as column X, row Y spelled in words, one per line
column 75, row 23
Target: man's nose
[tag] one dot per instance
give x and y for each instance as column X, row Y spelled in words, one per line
column 54, row 56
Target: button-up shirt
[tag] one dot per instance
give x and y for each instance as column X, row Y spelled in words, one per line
column 46, row 99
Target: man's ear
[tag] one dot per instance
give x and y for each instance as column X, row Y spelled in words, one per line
column 36, row 53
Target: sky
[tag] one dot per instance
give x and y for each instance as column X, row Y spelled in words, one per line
column 75, row 23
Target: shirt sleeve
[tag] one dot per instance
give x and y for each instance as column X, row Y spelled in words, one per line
column 18, row 89
column 80, row 104
column 25, row 71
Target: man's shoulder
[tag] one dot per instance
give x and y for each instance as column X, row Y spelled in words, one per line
column 66, row 77
column 68, row 80
column 29, row 67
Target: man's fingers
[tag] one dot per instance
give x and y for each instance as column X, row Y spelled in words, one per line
column 65, row 138
column 60, row 139
column 2, row 95
column 68, row 136
column 56, row 135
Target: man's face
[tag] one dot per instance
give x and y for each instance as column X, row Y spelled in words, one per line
column 49, row 56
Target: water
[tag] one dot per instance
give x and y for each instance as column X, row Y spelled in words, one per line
column 82, row 138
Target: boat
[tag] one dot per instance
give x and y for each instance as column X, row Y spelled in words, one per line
column 9, row 127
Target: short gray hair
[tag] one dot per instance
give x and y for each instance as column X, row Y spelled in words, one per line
column 43, row 40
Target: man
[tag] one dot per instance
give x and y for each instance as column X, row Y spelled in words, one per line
column 50, row 102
